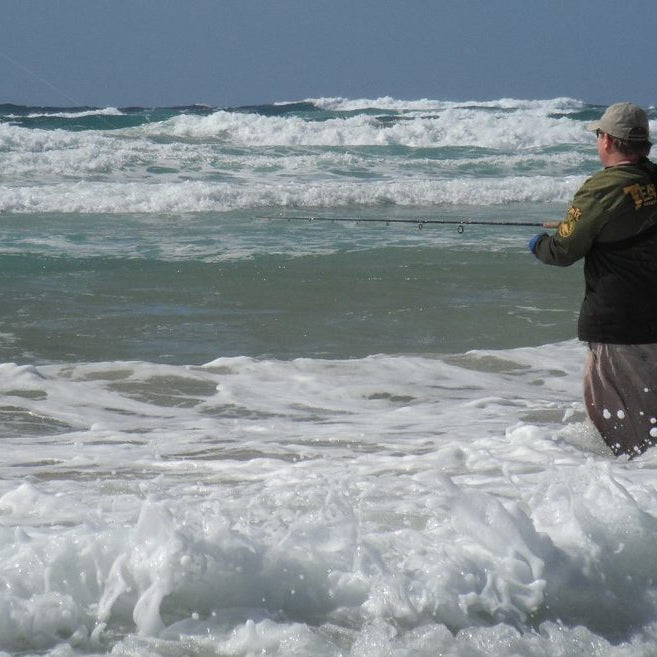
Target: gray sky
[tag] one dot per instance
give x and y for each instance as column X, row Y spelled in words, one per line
column 240, row 52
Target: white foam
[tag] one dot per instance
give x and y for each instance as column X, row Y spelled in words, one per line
column 196, row 196
column 322, row 507
column 453, row 126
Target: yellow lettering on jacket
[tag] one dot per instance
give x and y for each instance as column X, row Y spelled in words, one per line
column 567, row 226
column 642, row 195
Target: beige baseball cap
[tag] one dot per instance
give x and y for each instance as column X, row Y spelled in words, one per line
column 624, row 121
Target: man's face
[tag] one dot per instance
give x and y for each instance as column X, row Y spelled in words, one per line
column 603, row 141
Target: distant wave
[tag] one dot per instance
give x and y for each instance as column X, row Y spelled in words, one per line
column 394, row 104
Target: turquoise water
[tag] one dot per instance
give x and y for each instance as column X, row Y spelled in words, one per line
column 123, row 288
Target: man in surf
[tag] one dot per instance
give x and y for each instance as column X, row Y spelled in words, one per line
column 612, row 224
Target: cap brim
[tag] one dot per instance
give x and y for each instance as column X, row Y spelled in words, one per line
column 593, row 126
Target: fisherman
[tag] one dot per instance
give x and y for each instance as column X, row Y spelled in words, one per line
column 612, row 224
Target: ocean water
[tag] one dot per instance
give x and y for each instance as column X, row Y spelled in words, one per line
column 250, row 404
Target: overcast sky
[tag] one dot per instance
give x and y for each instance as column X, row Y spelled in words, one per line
column 240, row 52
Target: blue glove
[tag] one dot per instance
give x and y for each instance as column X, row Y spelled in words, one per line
column 534, row 241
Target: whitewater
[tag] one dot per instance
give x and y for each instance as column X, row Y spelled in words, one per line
column 228, row 429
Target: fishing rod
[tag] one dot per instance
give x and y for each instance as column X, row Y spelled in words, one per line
column 420, row 223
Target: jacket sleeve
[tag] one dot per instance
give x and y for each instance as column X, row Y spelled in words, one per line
column 575, row 234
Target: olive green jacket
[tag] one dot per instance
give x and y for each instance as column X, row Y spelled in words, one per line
column 612, row 224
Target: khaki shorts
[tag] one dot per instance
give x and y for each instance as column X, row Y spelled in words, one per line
column 620, row 392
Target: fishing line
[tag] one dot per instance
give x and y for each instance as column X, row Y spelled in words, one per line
column 420, row 223
column 36, row 76
column 41, row 79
